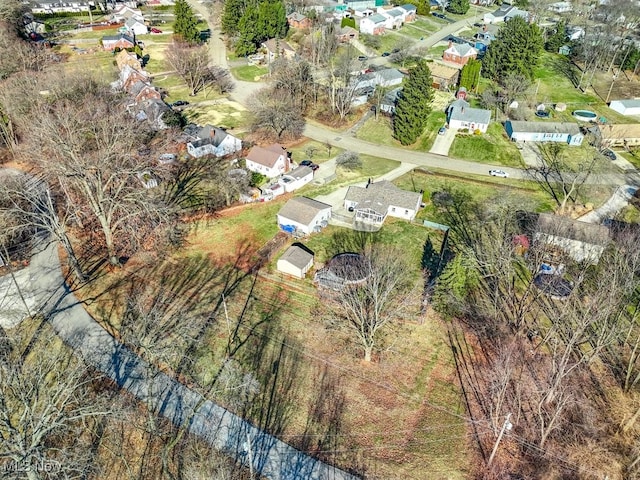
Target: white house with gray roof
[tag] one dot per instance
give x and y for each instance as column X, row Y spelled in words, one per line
column 460, row 115
column 395, row 18
column 372, row 204
column 504, row 13
column 565, row 132
column 373, row 24
column 388, row 77
column 303, row 215
column 210, row 140
column 295, row 261
column 626, row 107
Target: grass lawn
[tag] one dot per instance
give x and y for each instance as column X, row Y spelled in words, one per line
column 98, row 59
column 437, row 50
column 225, row 114
column 425, row 26
column 389, row 41
column 249, row 73
column 556, row 77
column 493, row 147
column 320, row 152
column 413, row 32
column 630, row 157
column 157, row 61
column 379, row 130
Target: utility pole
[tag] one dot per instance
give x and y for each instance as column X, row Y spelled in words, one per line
column 505, row 426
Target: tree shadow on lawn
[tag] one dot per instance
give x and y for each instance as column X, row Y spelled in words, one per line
column 564, row 67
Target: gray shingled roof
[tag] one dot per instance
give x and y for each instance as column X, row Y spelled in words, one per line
column 302, row 209
column 379, row 196
column 296, row 256
column 565, row 227
column 118, row 37
column 389, row 74
column 461, row 111
column 544, row 127
column 408, row 7
column 377, row 18
column 394, row 12
column 463, row 49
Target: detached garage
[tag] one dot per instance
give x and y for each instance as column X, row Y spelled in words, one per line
column 296, row 261
column 302, row 215
column 626, row 107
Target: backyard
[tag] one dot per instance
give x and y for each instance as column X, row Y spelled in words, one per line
column 492, row 147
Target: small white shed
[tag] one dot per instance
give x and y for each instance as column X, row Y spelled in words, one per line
column 296, row 261
column 626, row 107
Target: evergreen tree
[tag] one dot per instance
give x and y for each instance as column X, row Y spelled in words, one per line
column 414, row 104
column 515, row 50
column 186, row 24
column 271, row 21
column 348, row 22
column 231, row 15
column 470, row 74
column 248, row 38
column 458, row 6
column 558, row 39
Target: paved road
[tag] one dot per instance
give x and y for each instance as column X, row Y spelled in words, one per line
column 223, row 430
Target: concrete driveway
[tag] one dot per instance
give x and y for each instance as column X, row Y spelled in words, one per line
column 443, row 143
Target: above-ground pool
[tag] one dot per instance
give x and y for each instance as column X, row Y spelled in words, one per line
column 585, row 115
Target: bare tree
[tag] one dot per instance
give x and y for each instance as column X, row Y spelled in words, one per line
column 296, row 80
column 276, row 114
column 382, row 296
column 562, row 180
column 321, row 44
column 349, row 160
column 44, row 402
column 192, row 64
column 86, row 144
column 342, row 87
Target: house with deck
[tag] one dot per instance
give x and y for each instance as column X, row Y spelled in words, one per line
column 373, row 203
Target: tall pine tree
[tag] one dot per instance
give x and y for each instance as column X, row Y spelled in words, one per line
column 231, row 15
column 414, row 105
column 516, row 50
column 186, row 24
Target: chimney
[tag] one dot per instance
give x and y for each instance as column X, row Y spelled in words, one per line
column 450, row 43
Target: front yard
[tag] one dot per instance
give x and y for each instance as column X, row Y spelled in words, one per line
column 492, row 147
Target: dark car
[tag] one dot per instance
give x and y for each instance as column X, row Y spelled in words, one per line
column 439, row 15
column 179, row 103
column 310, row 164
column 386, row 54
column 609, row 154
column 362, row 58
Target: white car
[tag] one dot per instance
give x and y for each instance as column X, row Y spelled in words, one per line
column 498, row 173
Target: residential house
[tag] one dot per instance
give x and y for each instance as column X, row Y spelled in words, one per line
column 388, row 77
column 410, row 12
column 296, row 261
column 271, row 161
column 364, row 80
column 47, row 7
column 298, row 21
column 521, row 131
column 363, row 12
column 372, row 204
column 124, row 13
column 443, row 76
column 150, row 111
column 561, row 7
column 141, row 91
column 303, row 215
column 484, row 37
column 130, row 76
column 395, row 18
column 276, row 47
column 582, row 241
column 121, row 41
column 210, row 140
column 136, row 27
column 619, row 135
column 389, row 101
column 296, row 178
column 460, row 115
column 504, row 13
column 355, row 4
column 374, row 24
column 626, row 107
column 127, row 58
column 459, row 53
column 346, row 34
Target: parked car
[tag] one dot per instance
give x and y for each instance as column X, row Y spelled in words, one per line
column 179, row 103
column 609, row 154
column 155, row 30
column 363, row 58
column 439, row 15
column 442, row 131
column 385, row 54
column 310, row 164
column 498, row 173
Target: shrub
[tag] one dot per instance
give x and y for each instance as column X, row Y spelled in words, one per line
column 257, row 179
column 349, row 160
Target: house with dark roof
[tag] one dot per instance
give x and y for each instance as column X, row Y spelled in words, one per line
column 582, row 241
column 461, row 115
column 303, row 215
column 295, row 261
column 388, row 77
column 271, row 161
column 346, row 34
column 389, row 101
column 520, row 131
column 121, row 41
column 372, row 204
column 298, row 21
column 459, row 53
column 210, row 140
column 150, row 111
column 409, row 12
